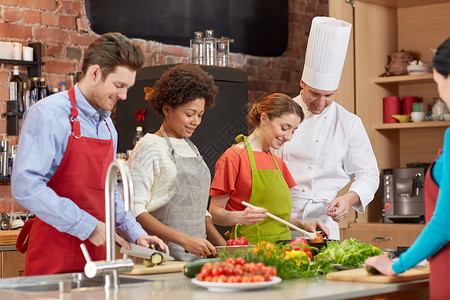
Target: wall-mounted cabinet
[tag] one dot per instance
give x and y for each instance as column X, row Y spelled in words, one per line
column 381, row 28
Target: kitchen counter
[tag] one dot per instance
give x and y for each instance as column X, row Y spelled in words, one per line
column 8, row 237
column 177, row 286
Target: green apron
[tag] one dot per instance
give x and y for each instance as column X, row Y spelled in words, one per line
column 269, row 190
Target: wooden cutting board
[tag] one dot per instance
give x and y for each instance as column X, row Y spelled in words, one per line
column 165, row 267
column 361, row 275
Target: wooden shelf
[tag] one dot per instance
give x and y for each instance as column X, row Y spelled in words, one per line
column 412, row 125
column 403, row 3
column 422, row 78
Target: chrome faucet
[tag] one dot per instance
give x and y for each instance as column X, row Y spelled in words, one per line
column 111, row 267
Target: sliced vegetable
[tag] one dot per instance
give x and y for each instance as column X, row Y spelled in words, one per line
column 372, row 270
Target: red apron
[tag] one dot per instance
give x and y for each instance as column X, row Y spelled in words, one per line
column 440, row 262
column 81, row 178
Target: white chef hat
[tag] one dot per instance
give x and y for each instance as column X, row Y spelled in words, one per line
column 325, row 53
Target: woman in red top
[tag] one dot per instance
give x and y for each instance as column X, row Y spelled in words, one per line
column 248, row 171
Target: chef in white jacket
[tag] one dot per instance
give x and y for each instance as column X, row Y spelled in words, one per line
column 331, row 146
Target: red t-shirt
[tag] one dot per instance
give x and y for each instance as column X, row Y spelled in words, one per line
column 233, row 175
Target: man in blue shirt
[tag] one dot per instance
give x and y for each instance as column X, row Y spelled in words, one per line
column 66, row 144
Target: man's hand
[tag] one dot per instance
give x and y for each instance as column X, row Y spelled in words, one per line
column 98, row 236
column 145, row 240
column 340, row 206
column 311, row 226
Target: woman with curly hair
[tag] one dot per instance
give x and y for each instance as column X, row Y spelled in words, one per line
column 171, row 180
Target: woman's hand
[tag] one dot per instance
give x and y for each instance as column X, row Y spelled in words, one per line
column 145, row 240
column 199, row 246
column 252, row 215
column 380, row 263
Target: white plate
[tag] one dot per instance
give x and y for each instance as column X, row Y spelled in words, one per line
column 238, row 286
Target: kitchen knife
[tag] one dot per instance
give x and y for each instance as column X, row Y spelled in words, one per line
column 143, row 252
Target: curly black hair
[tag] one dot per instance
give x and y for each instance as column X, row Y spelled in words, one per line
column 181, row 84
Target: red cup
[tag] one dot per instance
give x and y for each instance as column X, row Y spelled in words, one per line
column 391, row 106
column 407, row 104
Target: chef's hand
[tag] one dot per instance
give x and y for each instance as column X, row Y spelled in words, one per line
column 198, row 246
column 316, row 225
column 145, row 240
column 381, row 263
column 98, row 236
column 340, row 206
column 252, row 215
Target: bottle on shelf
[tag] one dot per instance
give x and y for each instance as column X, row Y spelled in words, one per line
column 70, row 79
column 5, row 163
column 42, row 90
column 34, row 89
column 16, row 89
column 49, row 89
column 33, row 98
column 139, row 135
column 26, row 96
column 63, row 86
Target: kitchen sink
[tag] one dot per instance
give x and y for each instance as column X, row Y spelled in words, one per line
column 46, row 283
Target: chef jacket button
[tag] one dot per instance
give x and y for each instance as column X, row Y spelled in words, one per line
column 96, row 115
column 317, row 141
column 303, row 191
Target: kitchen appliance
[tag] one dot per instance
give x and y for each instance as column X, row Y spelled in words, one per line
column 403, row 195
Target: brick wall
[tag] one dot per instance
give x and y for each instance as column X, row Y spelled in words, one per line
column 63, row 29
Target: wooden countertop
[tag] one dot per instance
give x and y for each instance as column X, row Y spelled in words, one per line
column 8, row 237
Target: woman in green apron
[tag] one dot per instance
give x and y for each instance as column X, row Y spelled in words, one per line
column 248, row 171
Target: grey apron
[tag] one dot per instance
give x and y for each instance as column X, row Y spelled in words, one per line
column 186, row 209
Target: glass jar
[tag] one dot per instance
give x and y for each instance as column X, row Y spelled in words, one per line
column 197, row 48
column 222, row 57
column 210, row 48
column 439, row 109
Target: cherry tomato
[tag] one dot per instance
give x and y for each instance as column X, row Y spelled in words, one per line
column 231, row 242
column 242, row 241
column 231, row 261
column 240, row 261
column 216, row 271
column 205, row 272
column 257, row 278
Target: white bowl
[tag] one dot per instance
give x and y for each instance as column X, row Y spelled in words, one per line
column 418, row 69
column 417, row 116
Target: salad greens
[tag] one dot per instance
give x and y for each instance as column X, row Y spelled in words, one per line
column 348, row 253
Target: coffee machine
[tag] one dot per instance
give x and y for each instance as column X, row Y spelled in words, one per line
column 403, row 195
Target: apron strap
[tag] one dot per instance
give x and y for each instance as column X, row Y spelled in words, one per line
column 171, row 149
column 76, row 131
column 22, row 239
column 251, row 156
